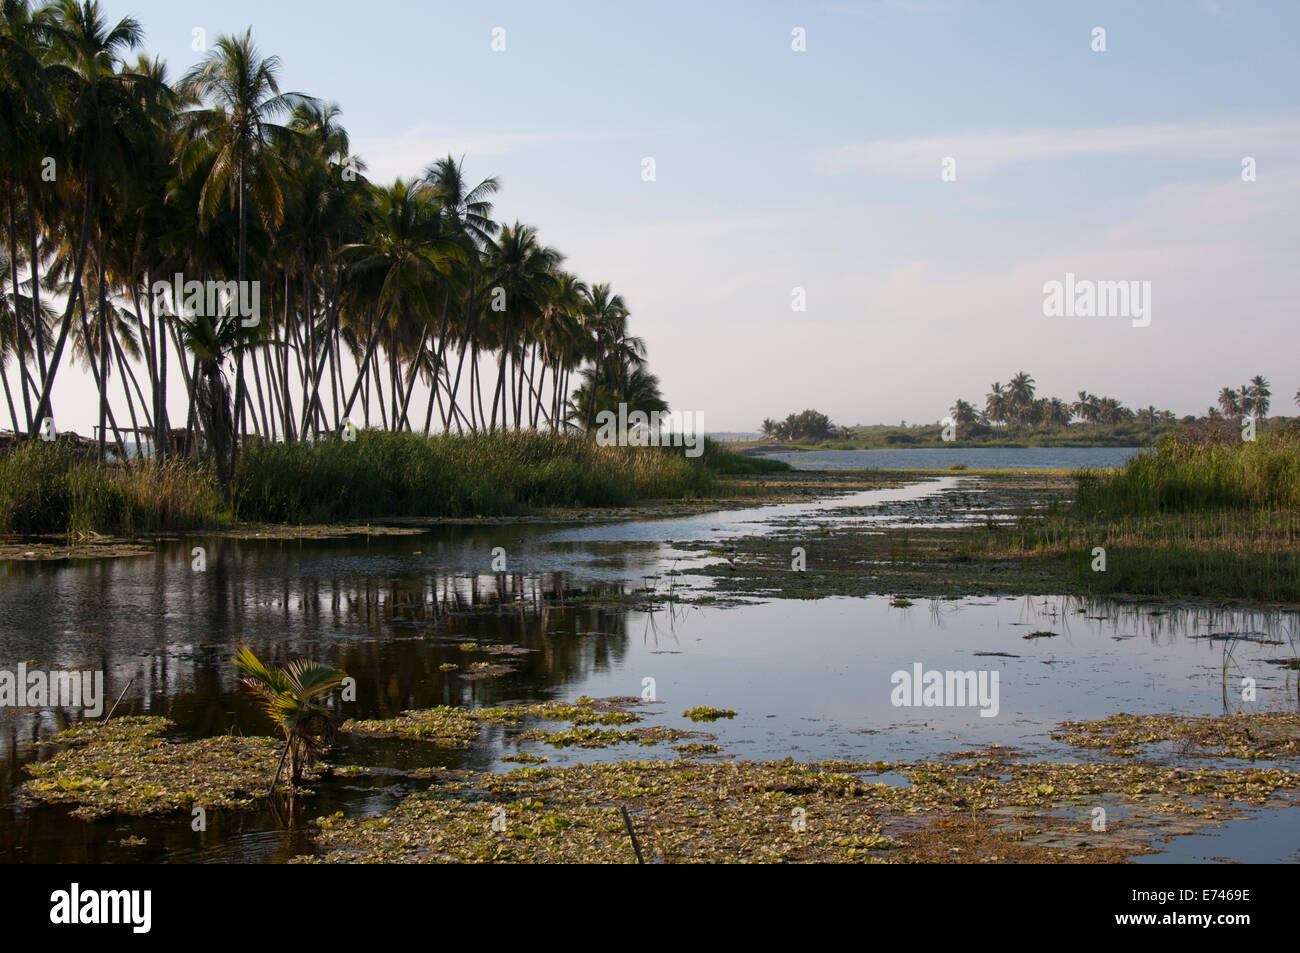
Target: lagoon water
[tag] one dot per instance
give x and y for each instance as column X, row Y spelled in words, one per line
column 974, row 458
column 808, row 679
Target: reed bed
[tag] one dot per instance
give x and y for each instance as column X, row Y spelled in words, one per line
column 1206, row 515
column 49, row 488
column 382, row 474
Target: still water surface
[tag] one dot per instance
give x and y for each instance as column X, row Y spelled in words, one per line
column 809, row 679
column 974, row 458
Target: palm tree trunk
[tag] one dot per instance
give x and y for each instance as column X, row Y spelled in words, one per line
column 34, row 274
column 43, row 405
column 239, row 423
column 455, row 387
column 363, row 376
column 20, row 350
column 501, row 384
column 4, row 377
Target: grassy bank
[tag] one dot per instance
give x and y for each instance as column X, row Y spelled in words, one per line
column 387, row 474
column 1207, row 515
column 49, row 488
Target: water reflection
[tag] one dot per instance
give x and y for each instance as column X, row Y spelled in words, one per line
column 809, row 679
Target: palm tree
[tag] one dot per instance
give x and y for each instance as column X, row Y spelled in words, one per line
column 1110, row 411
column 1229, row 402
column 30, row 131
column 293, row 697
column 997, row 404
column 1260, row 395
column 1056, row 413
column 963, row 413
column 395, row 269
column 104, row 109
column 1020, row 396
column 1085, row 408
column 227, row 175
column 242, row 90
column 467, row 213
column 524, row 271
column 210, row 340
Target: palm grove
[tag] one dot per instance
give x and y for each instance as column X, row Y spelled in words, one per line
column 1016, row 404
column 117, row 180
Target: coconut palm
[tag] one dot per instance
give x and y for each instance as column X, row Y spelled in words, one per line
column 523, row 274
column 1260, row 395
column 104, row 109
column 293, row 697
column 963, row 413
column 1020, row 397
column 226, row 175
column 997, row 404
column 243, row 100
column 1230, row 402
column 1056, row 413
column 1085, row 408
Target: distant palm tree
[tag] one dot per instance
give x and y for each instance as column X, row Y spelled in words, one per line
column 1260, row 395
column 769, row 426
column 1020, row 393
column 1230, row 402
column 1056, row 413
column 1085, row 408
column 963, row 413
column 997, row 404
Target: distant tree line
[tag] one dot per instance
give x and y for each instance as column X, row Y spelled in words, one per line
column 808, row 425
column 1017, row 405
column 1248, row 400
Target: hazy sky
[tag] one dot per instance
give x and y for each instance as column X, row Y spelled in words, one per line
column 778, row 169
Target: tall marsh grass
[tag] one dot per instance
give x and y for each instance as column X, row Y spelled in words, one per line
column 1198, row 472
column 1206, row 515
column 382, row 474
column 49, row 488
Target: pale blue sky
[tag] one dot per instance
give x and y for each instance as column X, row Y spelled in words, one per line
column 820, row 169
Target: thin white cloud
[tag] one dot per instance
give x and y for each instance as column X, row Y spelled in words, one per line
column 408, row 154
column 981, row 152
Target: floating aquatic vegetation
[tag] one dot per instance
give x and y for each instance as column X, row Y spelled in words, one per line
column 125, row 767
column 589, row 736
column 1045, row 634
column 523, row 757
column 707, row 713
column 454, row 727
column 480, row 670
column 695, row 748
column 1248, row 737
column 987, row 809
